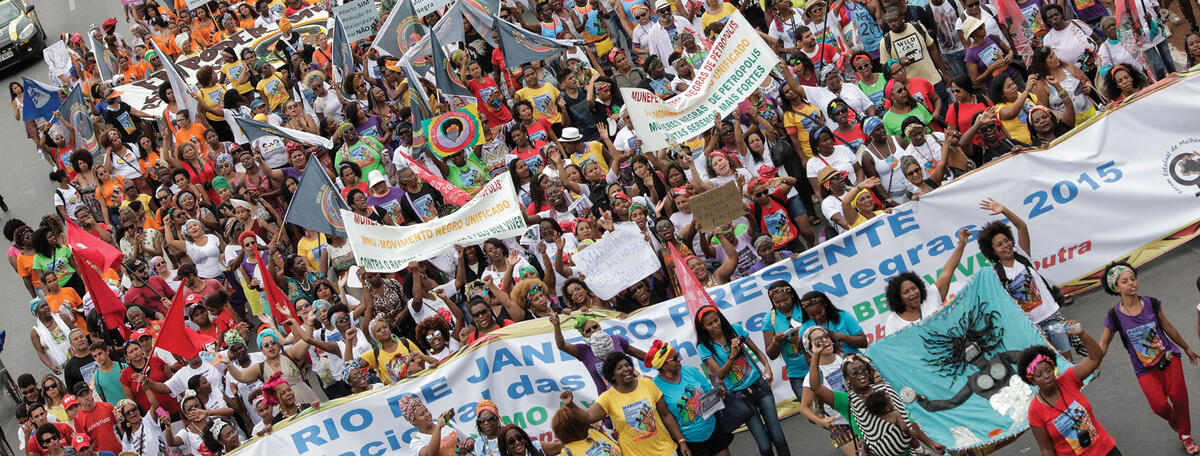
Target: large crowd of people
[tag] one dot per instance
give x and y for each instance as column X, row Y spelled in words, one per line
column 876, row 103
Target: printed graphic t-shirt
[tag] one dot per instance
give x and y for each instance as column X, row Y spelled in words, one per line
column 1069, row 417
column 683, row 399
column 636, row 420
column 1147, row 343
column 742, row 374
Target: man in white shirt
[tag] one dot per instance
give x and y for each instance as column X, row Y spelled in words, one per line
column 859, row 102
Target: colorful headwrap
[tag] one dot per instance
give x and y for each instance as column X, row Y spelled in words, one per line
column 533, row 289
column 220, row 182
column 887, row 92
column 342, row 126
column 487, row 405
column 120, row 408
column 639, row 7
column 232, row 337
column 870, row 124
column 526, row 269
column 34, row 303
column 638, row 206
column 624, row 196
column 224, row 158
column 680, row 190
column 584, row 243
column 247, row 234
column 612, row 55
column 1114, row 273
column 582, row 320
column 409, row 404
column 268, row 388
column 806, row 342
column 706, row 309
column 1033, row 365
column 265, row 333
column 1042, row 109
column 658, row 354
column 151, row 55
column 854, row 202
column 353, row 365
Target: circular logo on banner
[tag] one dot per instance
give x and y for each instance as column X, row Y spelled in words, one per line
column 330, row 209
column 408, row 33
column 82, row 121
column 452, row 132
column 1181, row 165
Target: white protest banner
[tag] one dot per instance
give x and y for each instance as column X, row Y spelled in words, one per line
column 193, row 4
column 144, row 94
column 358, row 18
column 1098, row 195
column 737, row 63
column 423, row 7
column 616, row 262
column 493, row 212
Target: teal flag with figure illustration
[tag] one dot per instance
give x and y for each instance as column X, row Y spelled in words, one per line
column 957, row 369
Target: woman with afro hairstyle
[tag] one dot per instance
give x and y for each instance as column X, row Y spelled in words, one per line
column 1154, row 347
column 908, row 297
column 1010, row 259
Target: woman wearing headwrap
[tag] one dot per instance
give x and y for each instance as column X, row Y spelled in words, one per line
column 287, row 362
column 359, row 377
column 917, row 184
column 1154, row 347
column 828, row 154
column 902, row 105
column 220, row 437
column 49, row 335
column 596, row 345
column 487, row 421
column 880, row 437
column 682, row 386
column 141, row 434
column 533, row 296
column 860, row 204
column 880, row 158
column 393, row 358
column 364, row 151
column 279, row 392
column 830, row 362
column 429, row 440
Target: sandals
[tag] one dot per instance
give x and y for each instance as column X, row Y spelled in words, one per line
column 1189, row 445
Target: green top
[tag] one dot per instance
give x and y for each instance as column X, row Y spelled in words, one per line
column 892, row 120
column 59, row 264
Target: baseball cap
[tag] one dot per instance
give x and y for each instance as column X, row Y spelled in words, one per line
column 70, row 400
column 81, row 388
column 80, row 441
column 140, row 333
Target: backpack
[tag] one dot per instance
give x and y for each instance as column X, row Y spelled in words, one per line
column 887, row 37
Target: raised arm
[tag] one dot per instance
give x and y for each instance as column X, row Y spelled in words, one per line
column 999, row 209
column 559, row 340
column 947, row 273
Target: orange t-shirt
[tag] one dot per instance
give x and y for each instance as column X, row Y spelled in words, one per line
column 25, row 269
column 194, row 133
column 110, row 192
column 68, row 295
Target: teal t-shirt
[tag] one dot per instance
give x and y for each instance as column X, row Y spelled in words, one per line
column 683, row 399
column 743, row 373
column 791, row 349
column 109, row 384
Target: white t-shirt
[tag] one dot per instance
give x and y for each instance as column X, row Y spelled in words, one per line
column 850, row 93
column 191, row 442
column 207, row 257
column 1069, row 43
column 1037, row 303
column 330, row 106
column 933, row 302
column 69, row 199
column 927, row 154
column 842, row 159
column 244, row 389
column 178, row 382
column 831, row 371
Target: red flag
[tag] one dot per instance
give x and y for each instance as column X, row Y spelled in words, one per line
column 91, row 248
column 106, row 301
column 450, row 193
column 176, row 337
column 693, row 292
column 281, row 306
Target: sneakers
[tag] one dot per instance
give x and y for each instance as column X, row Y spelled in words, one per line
column 1189, row 444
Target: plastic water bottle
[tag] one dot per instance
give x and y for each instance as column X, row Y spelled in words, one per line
column 1060, row 327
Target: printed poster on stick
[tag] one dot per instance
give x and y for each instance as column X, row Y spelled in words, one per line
column 616, row 262
column 718, row 206
column 737, row 63
column 493, row 212
column 358, row 18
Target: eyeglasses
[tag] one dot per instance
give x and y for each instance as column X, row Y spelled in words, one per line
column 863, row 67
column 973, row 5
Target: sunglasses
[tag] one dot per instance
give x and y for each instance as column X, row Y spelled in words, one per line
column 487, row 420
column 479, row 313
column 760, row 194
column 429, row 337
column 858, row 370
column 48, row 440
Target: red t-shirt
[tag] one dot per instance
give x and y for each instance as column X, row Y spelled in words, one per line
column 1072, row 411
column 98, row 424
column 475, row 334
column 498, row 61
column 773, row 220
column 922, row 90
column 962, row 116
column 65, row 430
column 158, row 374
column 491, row 101
column 144, row 296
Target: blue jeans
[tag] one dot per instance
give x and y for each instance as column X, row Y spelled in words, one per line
column 957, row 65
column 766, row 431
column 1060, row 341
column 797, row 385
column 1160, row 61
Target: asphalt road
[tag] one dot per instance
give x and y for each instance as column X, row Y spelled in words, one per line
column 1117, row 400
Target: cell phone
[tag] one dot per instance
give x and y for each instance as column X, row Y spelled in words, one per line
column 161, row 412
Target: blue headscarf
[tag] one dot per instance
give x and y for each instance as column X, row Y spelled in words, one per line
column 870, row 124
column 265, row 333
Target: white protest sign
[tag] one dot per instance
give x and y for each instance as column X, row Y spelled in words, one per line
column 616, row 262
column 737, row 63
column 1077, row 199
column 423, row 7
column 358, row 18
column 58, row 60
column 193, row 4
column 493, row 212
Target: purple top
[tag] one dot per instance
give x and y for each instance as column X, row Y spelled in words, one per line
column 390, row 203
column 987, row 53
column 1147, row 342
column 369, row 128
column 594, row 365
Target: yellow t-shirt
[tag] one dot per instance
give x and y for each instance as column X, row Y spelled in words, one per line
column 544, row 100
column 213, row 97
column 802, row 122
column 635, row 416
column 595, row 443
column 709, row 17
column 233, row 71
column 1017, row 128
column 594, row 152
column 390, row 364
column 304, row 248
column 272, row 88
